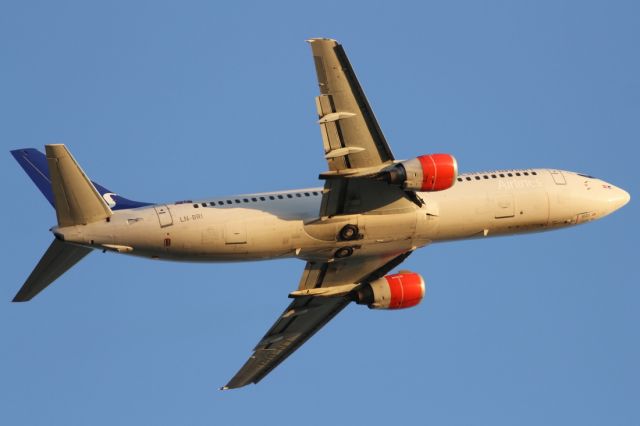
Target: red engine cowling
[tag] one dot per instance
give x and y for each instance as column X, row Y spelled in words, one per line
column 433, row 172
column 397, row 291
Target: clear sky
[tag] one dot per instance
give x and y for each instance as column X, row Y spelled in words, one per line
column 161, row 101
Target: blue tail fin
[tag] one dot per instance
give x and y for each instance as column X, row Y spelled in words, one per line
column 35, row 165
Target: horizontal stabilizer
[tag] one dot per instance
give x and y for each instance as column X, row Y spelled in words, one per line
column 56, row 261
column 77, row 200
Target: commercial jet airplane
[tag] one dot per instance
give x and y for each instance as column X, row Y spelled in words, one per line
column 372, row 212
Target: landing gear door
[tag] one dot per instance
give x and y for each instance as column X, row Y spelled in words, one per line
column 558, row 177
column 164, row 216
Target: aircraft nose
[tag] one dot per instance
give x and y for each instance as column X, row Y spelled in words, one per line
column 620, row 199
column 614, row 198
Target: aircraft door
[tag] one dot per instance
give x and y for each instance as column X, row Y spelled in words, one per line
column 164, row 216
column 558, row 177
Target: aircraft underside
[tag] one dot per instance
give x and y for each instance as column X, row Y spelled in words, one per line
column 372, row 212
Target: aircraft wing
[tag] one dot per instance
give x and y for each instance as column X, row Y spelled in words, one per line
column 350, row 133
column 352, row 140
column 307, row 314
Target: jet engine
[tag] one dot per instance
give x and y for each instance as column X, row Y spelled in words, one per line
column 433, row 172
column 397, row 291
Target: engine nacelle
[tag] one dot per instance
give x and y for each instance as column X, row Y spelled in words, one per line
column 433, row 172
column 397, row 291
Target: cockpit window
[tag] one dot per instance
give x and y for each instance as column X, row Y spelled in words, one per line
column 587, row 176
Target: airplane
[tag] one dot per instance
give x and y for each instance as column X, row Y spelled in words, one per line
column 372, row 212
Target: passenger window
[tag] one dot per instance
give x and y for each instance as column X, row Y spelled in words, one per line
column 493, row 176
column 477, row 177
column 220, row 203
column 517, row 174
column 229, row 202
column 468, row 178
column 534, row 173
column 212, row 203
column 510, row 174
column 306, row 194
column 459, row 179
column 245, row 200
column 289, row 196
column 196, row 206
column 501, row 175
column 298, row 195
column 262, row 199
column 526, row 173
column 254, row 199
column 271, row 197
column 280, row 197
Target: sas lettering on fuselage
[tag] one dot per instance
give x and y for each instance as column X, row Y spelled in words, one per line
column 507, row 184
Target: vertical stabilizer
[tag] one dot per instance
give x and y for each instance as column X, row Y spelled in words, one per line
column 56, row 261
column 77, row 201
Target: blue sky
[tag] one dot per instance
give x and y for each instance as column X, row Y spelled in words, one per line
column 162, row 101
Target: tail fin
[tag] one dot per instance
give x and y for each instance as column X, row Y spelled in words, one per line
column 56, row 261
column 77, row 200
column 35, row 165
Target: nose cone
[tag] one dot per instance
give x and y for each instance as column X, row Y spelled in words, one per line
column 620, row 198
column 613, row 197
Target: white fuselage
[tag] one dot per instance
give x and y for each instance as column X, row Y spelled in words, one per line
column 286, row 224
